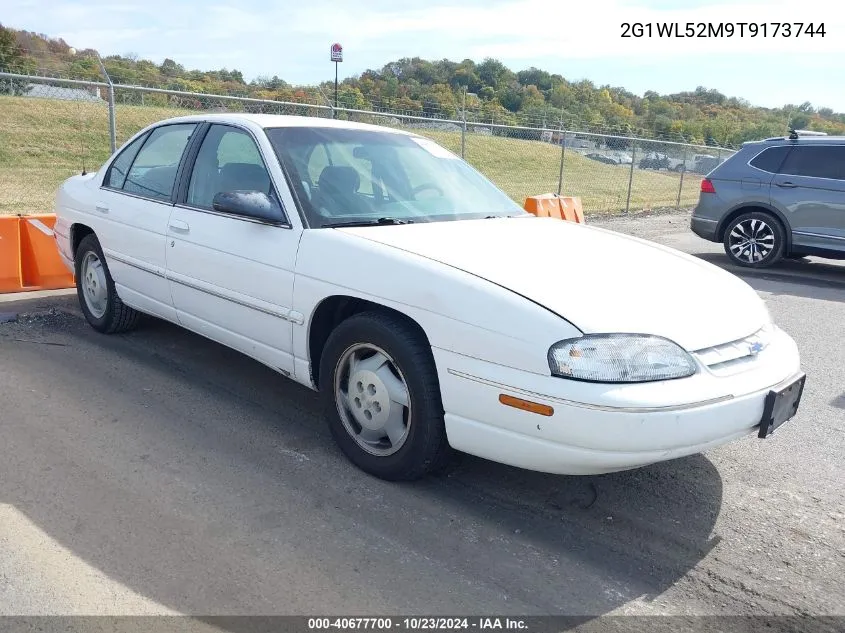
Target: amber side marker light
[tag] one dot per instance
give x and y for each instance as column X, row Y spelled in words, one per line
column 526, row 405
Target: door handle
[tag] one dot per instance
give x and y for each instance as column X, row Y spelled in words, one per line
column 101, row 208
column 179, row 225
column 786, row 185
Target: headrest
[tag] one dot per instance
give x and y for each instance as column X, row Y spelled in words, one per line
column 339, row 179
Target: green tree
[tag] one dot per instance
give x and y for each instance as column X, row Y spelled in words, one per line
column 169, row 68
column 11, row 55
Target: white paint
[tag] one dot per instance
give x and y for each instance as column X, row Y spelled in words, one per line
column 492, row 296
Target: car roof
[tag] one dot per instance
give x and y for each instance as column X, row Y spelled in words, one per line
column 801, row 140
column 281, row 121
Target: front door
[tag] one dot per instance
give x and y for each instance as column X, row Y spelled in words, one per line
column 231, row 276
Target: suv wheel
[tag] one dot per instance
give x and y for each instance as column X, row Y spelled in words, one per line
column 755, row 239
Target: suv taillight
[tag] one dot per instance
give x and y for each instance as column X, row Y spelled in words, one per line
column 707, row 186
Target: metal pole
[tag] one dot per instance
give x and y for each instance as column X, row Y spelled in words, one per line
column 334, row 112
column 562, row 157
column 681, row 184
column 464, row 128
column 112, row 122
column 631, row 175
column 562, row 153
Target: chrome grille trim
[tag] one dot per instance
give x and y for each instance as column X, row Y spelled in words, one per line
column 729, row 355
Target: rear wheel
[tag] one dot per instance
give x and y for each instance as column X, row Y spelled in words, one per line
column 98, row 299
column 382, row 397
column 755, row 239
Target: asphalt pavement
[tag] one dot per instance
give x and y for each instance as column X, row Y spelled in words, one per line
column 157, row 472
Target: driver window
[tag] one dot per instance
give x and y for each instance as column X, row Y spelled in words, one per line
column 228, row 160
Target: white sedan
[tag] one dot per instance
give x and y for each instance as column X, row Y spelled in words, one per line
column 429, row 310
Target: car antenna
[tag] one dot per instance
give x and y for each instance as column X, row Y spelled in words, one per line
column 81, row 136
column 793, row 134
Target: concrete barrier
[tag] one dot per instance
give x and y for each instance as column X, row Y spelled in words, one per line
column 551, row 205
column 29, row 259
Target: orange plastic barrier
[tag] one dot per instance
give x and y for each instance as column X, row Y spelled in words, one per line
column 551, row 205
column 29, row 258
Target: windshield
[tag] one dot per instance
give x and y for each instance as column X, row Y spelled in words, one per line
column 346, row 176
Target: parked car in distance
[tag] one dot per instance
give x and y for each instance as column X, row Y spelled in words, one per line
column 654, row 160
column 622, row 158
column 602, row 158
column 426, row 307
column 704, row 163
column 657, row 160
column 781, row 197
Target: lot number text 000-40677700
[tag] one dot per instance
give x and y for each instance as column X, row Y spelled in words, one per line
column 722, row 29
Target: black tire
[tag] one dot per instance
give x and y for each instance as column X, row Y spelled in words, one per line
column 117, row 317
column 767, row 230
column 425, row 449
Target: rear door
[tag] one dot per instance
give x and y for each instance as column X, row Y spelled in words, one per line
column 231, row 276
column 810, row 190
column 133, row 208
column 756, row 182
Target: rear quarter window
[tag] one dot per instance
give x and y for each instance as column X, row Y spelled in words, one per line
column 770, row 159
column 816, row 161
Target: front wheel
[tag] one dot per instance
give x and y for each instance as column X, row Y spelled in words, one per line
column 382, row 397
column 755, row 240
column 98, row 299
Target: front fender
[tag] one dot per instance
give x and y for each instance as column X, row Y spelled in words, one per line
column 459, row 312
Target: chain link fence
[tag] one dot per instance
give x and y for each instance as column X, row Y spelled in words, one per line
column 48, row 132
column 53, row 128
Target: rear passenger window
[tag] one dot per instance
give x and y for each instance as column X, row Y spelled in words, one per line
column 820, row 161
column 154, row 171
column 117, row 172
column 770, row 159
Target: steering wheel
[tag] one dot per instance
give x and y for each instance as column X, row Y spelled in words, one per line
column 427, row 185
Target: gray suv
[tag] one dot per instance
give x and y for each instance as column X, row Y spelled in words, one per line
column 782, row 197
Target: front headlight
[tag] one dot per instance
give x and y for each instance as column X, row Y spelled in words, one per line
column 620, row 358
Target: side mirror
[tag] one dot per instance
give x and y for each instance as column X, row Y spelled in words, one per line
column 252, row 204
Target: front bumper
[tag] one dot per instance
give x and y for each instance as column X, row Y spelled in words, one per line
column 604, row 428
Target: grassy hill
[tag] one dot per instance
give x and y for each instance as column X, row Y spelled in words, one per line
column 44, row 141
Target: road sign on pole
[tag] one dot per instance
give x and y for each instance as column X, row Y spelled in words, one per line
column 337, row 57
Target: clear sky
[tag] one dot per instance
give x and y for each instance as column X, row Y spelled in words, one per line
column 579, row 40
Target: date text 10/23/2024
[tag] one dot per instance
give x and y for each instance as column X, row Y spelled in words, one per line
column 722, row 29
column 419, row 623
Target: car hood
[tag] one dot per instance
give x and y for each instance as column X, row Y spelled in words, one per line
column 598, row 280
